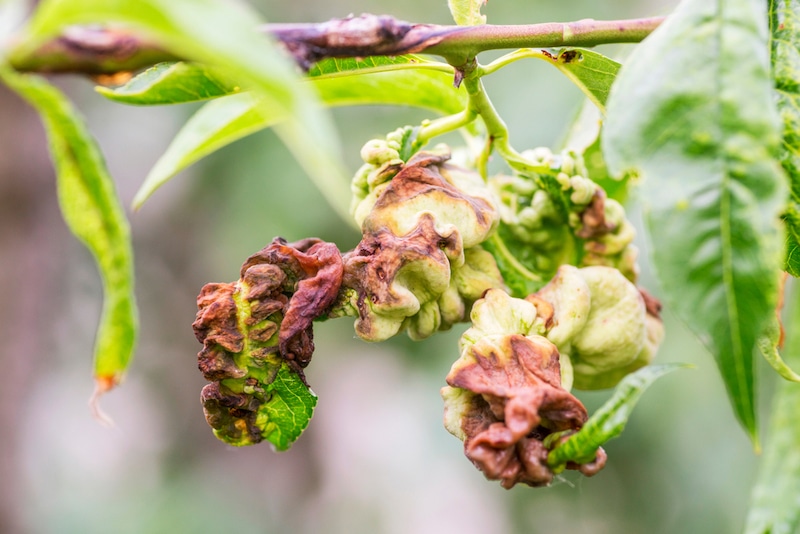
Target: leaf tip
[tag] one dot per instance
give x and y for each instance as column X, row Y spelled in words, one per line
column 102, row 385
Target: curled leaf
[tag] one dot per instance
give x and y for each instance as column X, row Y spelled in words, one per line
column 257, row 339
column 504, row 395
column 418, row 225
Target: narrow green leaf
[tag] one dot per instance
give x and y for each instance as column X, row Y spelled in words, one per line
column 609, row 421
column 215, row 125
column 225, row 36
column 467, row 12
column 591, row 71
column 775, row 501
column 171, row 83
column 693, row 110
column 179, row 82
column 333, row 67
column 228, row 119
column 784, row 18
column 289, row 410
column 94, row 214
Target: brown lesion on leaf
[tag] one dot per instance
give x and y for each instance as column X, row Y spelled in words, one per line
column 372, row 268
column 216, row 318
column 515, row 402
column 593, row 218
column 568, row 56
column 651, row 304
column 232, row 415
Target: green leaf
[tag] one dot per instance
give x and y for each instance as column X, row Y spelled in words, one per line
column 215, row 125
column 509, row 254
column 592, row 72
column 224, row 36
column 171, row 83
column 179, row 82
column 774, row 502
column 467, row 12
column 228, row 119
column 94, row 214
column 289, row 410
column 693, row 110
column 334, row 67
column 609, row 420
column 784, row 18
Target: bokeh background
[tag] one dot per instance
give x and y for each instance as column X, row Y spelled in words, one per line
column 375, row 458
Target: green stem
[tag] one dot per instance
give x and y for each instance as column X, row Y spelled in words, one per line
column 443, row 125
column 459, row 47
column 480, row 104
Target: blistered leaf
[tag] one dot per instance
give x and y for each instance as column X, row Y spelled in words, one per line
column 92, row 211
column 171, row 83
column 609, row 420
column 228, row 119
column 773, row 507
column 693, row 110
column 225, row 36
column 467, row 12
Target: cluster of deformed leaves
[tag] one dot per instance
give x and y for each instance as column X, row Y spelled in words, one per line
column 505, row 393
column 509, row 390
column 257, row 339
column 419, row 265
column 557, row 217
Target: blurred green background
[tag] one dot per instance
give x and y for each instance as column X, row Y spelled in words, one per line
column 376, row 457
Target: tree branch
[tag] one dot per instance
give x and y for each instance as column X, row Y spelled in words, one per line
column 108, row 51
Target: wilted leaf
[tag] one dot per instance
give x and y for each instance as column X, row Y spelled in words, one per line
column 93, row 213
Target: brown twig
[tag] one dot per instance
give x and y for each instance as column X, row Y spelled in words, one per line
column 107, row 51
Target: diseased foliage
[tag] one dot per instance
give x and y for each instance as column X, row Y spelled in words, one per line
column 536, row 255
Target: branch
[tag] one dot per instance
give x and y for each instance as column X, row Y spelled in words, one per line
column 107, row 51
